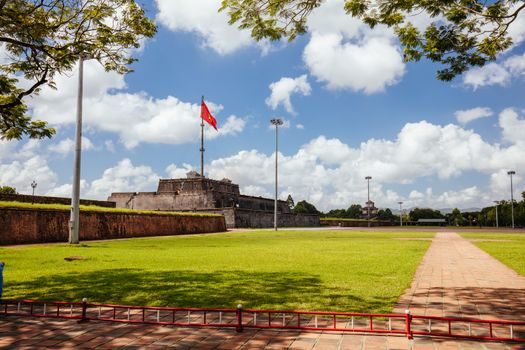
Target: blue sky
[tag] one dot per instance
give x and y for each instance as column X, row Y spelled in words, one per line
column 352, row 108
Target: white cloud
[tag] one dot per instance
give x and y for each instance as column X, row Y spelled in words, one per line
column 329, row 173
column 299, row 126
column 346, row 54
column 20, row 173
column 468, row 115
column 108, row 108
column 123, row 177
column 329, row 151
column 490, row 74
column 67, row 146
column 517, row 28
column 110, row 146
column 496, row 73
column 515, row 64
column 513, row 128
column 175, row 172
column 202, row 17
column 284, row 88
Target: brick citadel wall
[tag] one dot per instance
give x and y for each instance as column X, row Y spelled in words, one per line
column 52, row 200
column 18, row 226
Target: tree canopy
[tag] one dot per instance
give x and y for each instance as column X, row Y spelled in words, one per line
column 303, row 207
column 43, row 38
column 7, row 190
column 462, row 34
column 425, row 213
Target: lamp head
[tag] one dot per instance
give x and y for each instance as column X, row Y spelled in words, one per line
column 276, row 121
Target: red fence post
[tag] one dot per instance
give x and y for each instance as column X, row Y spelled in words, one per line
column 84, row 311
column 408, row 319
column 239, row 327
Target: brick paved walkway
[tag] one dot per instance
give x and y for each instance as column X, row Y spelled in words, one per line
column 458, row 279
column 35, row 333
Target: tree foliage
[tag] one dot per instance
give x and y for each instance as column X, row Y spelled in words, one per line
column 385, row 214
column 43, row 38
column 463, row 34
column 7, row 190
column 303, row 207
column 354, row 211
column 425, row 213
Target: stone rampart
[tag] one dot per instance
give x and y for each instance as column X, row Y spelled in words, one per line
column 18, row 226
column 259, row 219
column 52, row 200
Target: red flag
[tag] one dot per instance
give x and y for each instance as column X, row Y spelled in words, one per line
column 206, row 115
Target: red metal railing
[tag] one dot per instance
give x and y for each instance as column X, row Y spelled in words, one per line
column 405, row 324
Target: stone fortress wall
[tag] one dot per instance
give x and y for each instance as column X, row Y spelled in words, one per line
column 199, row 194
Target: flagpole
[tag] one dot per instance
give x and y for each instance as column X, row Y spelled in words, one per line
column 202, row 141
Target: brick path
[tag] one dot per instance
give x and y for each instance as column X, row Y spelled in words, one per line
column 458, row 279
column 35, row 333
column 454, row 279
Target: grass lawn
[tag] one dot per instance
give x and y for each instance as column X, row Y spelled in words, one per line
column 311, row 270
column 511, row 253
column 25, row 205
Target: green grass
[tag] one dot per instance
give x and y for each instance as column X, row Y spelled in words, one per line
column 511, row 253
column 5, row 204
column 312, row 270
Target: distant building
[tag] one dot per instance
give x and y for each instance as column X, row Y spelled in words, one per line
column 370, row 206
column 199, row 194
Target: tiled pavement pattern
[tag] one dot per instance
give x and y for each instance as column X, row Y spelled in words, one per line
column 16, row 333
column 457, row 279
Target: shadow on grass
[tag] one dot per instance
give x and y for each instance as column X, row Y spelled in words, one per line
column 225, row 289
column 178, row 288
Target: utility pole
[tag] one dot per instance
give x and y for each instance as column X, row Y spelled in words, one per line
column 74, row 222
column 400, row 214
column 276, row 122
column 497, row 223
column 33, row 186
column 510, row 173
column 368, row 178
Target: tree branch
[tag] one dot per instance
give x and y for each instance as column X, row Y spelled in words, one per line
column 20, row 96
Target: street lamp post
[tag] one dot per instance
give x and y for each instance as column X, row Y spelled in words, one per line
column 368, row 178
column 33, row 185
column 497, row 222
column 400, row 213
column 74, row 221
column 276, row 122
column 510, row 173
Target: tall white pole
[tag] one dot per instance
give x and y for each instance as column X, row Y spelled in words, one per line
column 368, row 196
column 74, row 222
column 276, row 176
column 512, row 172
column 276, row 122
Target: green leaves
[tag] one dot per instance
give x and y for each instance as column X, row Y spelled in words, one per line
column 47, row 37
column 463, row 34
